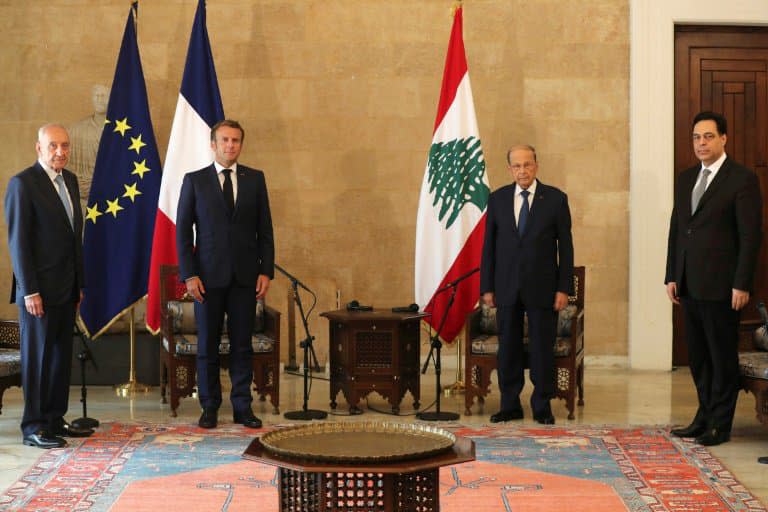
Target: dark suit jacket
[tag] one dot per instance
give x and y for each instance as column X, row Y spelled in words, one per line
column 242, row 246
column 715, row 250
column 533, row 266
column 46, row 252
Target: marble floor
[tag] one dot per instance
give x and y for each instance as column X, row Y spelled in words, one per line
column 612, row 396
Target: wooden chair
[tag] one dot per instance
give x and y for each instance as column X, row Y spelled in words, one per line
column 753, row 366
column 10, row 357
column 481, row 346
column 179, row 345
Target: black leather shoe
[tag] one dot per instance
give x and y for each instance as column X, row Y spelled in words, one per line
column 67, row 430
column 713, row 437
column 692, row 430
column 209, row 418
column 514, row 414
column 545, row 419
column 247, row 419
column 44, row 440
column 762, row 460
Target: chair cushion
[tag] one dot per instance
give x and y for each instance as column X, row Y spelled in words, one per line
column 183, row 315
column 488, row 341
column 761, row 338
column 186, row 344
column 754, row 364
column 10, row 362
column 486, row 344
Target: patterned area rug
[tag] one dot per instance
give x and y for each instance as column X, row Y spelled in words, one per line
column 144, row 467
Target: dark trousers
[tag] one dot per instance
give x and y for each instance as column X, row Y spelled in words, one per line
column 542, row 327
column 46, row 364
column 239, row 304
column 711, row 332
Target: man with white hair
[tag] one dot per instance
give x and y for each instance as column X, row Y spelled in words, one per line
column 45, row 225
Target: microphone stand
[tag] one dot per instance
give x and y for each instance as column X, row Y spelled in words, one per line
column 305, row 413
column 434, row 354
column 84, row 356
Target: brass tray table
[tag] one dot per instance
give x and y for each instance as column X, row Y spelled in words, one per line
column 360, row 466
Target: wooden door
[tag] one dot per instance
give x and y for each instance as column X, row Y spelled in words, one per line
column 724, row 69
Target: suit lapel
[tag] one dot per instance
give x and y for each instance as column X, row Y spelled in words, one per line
column 51, row 195
column 243, row 184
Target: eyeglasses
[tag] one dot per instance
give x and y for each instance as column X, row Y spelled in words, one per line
column 709, row 136
column 526, row 165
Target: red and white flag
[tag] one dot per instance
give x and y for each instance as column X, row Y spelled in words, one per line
column 450, row 224
column 189, row 149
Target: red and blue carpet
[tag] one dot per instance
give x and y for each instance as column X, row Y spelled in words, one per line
column 143, row 467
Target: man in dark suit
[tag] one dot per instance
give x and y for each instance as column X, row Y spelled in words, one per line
column 42, row 210
column 226, row 258
column 714, row 240
column 527, row 267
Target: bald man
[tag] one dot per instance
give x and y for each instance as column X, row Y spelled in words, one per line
column 45, row 226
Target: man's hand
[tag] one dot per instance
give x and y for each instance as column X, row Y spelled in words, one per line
column 672, row 292
column 489, row 299
column 34, row 305
column 262, row 285
column 195, row 288
column 561, row 300
column 739, row 299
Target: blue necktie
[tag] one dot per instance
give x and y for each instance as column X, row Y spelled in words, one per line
column 64, row 199
column 524, row 210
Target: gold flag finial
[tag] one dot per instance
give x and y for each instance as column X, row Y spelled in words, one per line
column 455, row 6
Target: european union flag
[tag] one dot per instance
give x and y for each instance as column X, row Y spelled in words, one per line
column 122, row 205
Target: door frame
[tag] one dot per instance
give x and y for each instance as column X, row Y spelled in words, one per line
column 651, row 177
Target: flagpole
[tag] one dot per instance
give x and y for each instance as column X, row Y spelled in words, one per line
column 458, row 386
column 132, row 386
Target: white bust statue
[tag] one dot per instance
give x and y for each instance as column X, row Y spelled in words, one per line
column 84, row 138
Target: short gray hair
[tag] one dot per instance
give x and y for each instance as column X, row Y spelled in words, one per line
column 42, row 129
column 521, row 146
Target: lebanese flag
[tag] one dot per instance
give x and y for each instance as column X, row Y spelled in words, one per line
column 450, row 223
column 189, row 149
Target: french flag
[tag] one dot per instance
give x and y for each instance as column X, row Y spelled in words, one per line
column 189, row 149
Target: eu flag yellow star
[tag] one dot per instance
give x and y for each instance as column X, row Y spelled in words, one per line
column 113, row 207
column 136, row 144
column 131, row 192
column 122, row 126
column 92, row 212
column 140, row 168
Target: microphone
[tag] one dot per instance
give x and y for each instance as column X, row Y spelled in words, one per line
column 293, row 279
column 458, row 280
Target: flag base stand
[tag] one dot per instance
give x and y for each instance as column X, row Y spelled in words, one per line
column 131, row 387
column 458, row 387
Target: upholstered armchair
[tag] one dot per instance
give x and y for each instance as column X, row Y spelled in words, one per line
column 10, row 357
column 179, row 344
column 482, row 343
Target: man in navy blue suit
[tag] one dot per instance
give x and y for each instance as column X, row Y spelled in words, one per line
column 45, row 226
column 527, row 268
column 226, row 258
